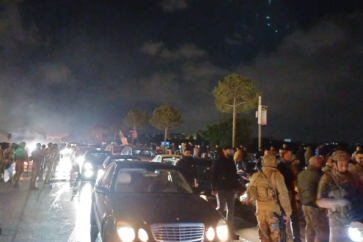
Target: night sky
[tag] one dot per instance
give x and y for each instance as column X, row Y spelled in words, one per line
column 68, row 65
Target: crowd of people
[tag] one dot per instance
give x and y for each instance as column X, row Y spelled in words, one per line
column 328, row 191
column 44, row 160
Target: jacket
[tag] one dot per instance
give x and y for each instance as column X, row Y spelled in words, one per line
column 286, row 170
column 224, row 174
column 307, row 182
column 187, row 168
column 357, row 172
column 238, row 156
column 282, row 198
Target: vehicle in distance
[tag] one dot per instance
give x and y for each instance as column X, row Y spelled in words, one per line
column 143, row 153
column 89, row 163
column 167, row 159
column 151, row 202
column 113, row 158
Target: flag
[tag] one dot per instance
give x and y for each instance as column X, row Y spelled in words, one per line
column 123, row 139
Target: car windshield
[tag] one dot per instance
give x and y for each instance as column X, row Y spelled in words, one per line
column 96, row 156
column 123, row 159
column 144, row 181
column 141, row 152
column 171, row 160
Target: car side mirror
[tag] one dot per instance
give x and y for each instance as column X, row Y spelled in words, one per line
column 102, row 190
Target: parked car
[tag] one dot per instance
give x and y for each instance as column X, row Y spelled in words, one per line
column 112, row 158
column 168, row 159
column 151, row 202
column 143, row 153
column 115, row 149
column 89, row 163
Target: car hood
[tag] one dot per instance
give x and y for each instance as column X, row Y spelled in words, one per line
column 160, row 208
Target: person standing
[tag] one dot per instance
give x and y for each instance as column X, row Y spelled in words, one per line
column 308, row 153
column 37, row 157
column 224, row 185
column 319, row 150
column 217, row 152
column 2, row 164
column 300, row 155
column 338, row 192
column 187, row 167
column 196, row 151
column 238, row 158
column 359, row 148
column 21, row 155
column 9, row 156
column 268, row 189
column 357, row 169
column 285, row 168
column 317, row 228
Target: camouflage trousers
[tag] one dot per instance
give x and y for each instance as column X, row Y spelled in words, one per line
column 268, row 226
column 317, row 224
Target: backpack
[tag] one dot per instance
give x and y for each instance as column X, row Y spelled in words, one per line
column 263, row 194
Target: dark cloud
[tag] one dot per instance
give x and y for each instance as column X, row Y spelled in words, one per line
column 173, row 5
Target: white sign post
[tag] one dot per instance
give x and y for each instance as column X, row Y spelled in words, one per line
column 261, row 119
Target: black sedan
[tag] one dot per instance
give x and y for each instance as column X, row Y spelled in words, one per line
column 89, row 163
column 147, row 202
column 112, row 158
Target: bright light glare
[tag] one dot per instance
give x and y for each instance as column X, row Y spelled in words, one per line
column 80, row 160
column 143, row 235
column 210, row 234
column 100, row 173
column 32, row 147
column 204, row 197
column 126, row 233
column 88, row 173
column 222, row 231
column 355, row 234
column 88, row 166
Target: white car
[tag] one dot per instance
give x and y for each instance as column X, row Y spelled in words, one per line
column 168, row 159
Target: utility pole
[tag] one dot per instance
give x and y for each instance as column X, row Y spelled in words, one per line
column 261, row 116
column 259, row 122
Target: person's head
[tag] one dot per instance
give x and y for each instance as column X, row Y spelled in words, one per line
column 269, row 160
column 266, row 152
column 13, row 145
column 187, row 153
column 44, row 146
column 341, row 161
column 296, row 161
column 287, row 156
column 50, row 145
column 272, row 148
column 38, row 146
column 317, row 162
column 244, row 148
column 359, row 148
column 22, row 144
column 359, row 157
column 227, row 151
column 320, row 145
column 217, row 146
column 284, row 146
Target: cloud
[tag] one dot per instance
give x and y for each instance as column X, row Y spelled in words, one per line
column 185, row 52
column 173, row 5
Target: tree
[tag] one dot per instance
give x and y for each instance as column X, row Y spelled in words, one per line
column 220, row 133
column 235, row 94
column 166, row 118
column 136, row 119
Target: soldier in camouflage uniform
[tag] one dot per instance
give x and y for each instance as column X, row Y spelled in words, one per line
column 357, row 170
column 269, row 190
column 317, row 228
column 337, row 192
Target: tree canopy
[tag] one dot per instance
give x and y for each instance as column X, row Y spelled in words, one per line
column 220, row 133
column 165, row 118
column 238, row 91
column 136, row 119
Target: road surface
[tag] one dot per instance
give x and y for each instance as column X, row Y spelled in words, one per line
column 60, row 211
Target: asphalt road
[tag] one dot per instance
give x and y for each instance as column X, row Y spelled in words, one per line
column 60, row 211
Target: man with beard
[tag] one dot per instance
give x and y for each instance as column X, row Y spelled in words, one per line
column 337, row 192
column 225, row 184
column 186, row 166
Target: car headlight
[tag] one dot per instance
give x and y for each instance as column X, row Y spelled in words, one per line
column 222, row 230
column 355, row 234
column 204, row 197
column 126, row 233
column 210, row 234
column 88, row 166
column 143, row 236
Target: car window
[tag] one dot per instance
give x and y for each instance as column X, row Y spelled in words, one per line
column 141, row 152
column 106, row 162
column 126, row 151
column 171, row 160
column 158, row 181
column 107, row 177
column 117, row 150
column 156, row 159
